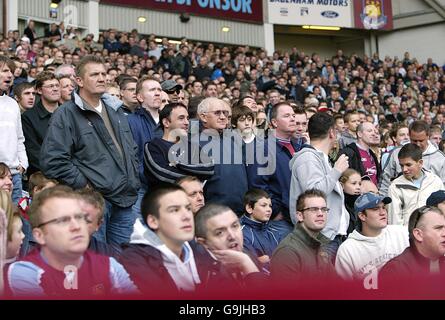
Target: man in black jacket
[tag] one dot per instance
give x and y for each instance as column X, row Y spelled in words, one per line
column 361, row 157
column 35, row 120
column 89, row 144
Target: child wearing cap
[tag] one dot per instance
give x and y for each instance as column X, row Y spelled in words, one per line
column 374, row 243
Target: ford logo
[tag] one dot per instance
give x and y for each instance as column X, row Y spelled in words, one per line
column 330, row 14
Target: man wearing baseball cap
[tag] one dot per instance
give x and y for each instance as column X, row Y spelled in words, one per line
column 437, row 199
column 368, row 249
column 172, row 88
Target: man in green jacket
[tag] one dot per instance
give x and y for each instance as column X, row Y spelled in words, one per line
column 300, row 256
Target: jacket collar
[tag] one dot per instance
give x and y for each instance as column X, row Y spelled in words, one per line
column 302, row 234
column 41, row 110
column 254, row 224
column 106, row 98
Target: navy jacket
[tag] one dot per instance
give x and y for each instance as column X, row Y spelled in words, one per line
column 260, row 238
column 277, row 184
column 78, row 150
column 144, row 129
column 229, row 183
column 160, row 170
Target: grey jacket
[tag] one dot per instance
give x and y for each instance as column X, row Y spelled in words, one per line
column 345, row 139
column 78, row 150
column 310, row 170
column 433, row 160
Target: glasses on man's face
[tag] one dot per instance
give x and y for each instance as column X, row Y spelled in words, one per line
column 66, row 220
column 51, row 86
column 218, row 113
column 177, row 91
column 316, row 209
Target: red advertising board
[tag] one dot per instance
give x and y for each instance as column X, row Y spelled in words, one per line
column 373, row 14
column 244, row 10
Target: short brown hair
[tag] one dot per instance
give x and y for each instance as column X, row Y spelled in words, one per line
column 40, row 199
column 5, row 60
column 4, row 170
column 310, row 193
column 239, row 112
column 89, row 59
column 141, row 81
column 44, row 76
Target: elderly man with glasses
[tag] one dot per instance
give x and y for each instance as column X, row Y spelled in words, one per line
column 62, row 266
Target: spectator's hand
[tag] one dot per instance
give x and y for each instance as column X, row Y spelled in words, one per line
column 21, row 169
column 264, row 259
column 342, row 163
column 237, row 260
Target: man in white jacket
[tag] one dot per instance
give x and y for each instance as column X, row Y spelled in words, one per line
column 367, row 250
column 12, row 147
column 411, row 190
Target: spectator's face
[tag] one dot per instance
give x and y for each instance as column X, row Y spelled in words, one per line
column 285, row 123
column 95, row 216
column 251, row 104
column 6, row 182
column 178, row 122
column 436, row 138
column 375, row 218
column 274, row 98
column 27, row 98
column 261, row 211
column 340, row 125
column 223, row 232
column 430, row 232
column 313, row 218
column 411, row 169
column 129, row 94
column 17, row 236
column 93, row 79
column 50, row 91
column 195, row 193
column 150, row 95
column 353, row 185
column 6, row 77
column 67, row 236
column 21, row 55
column 175, row 224
column 66, row 88
column 245, row 124
column 402, row 136
column 354, row 121
column 18, row 69
column 301, row 123
column 419, row 138
column 216, row 117
column 211, row 91
column 368, row 135
column 115, row 92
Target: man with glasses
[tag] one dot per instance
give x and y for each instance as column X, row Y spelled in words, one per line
column 300, row 256
column 311, row 168
column 425, row 255
column 62, row 266
column 226, row 152
column 374, row 243
column 128, row 94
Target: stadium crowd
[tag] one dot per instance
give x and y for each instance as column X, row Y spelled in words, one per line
column 134, row 165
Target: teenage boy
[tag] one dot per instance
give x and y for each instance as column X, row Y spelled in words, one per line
column 411, row 190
